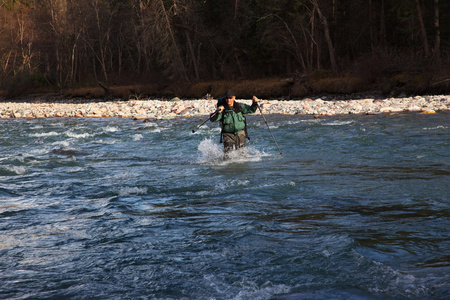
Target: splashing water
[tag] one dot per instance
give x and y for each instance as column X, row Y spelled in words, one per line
column 212, row 153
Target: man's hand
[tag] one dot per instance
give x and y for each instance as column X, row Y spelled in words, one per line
column 255, row 100
column 220, row 109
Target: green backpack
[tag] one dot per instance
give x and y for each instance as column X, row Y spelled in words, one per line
column 222, row 102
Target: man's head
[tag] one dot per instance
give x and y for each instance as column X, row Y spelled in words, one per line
column 230, row 97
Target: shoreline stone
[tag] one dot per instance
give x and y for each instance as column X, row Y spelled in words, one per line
column 158, row 109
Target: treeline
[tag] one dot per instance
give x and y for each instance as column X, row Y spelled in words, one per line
column 66, row 43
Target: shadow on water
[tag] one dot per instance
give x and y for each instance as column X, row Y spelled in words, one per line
column 67, row 152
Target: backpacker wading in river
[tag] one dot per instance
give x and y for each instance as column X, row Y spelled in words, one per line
column 232, row 120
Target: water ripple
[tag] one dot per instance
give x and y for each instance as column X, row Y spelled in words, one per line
column 356, row 208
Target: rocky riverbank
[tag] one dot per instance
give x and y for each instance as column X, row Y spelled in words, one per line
column 157, row 109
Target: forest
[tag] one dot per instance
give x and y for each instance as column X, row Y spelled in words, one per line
column 192, row 48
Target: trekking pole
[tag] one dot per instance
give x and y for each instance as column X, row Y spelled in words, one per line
column 269, row 128
column 193, row 130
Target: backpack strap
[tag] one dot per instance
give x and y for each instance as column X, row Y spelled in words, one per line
column 239, row 107
column 221, row 101
column 245, row 128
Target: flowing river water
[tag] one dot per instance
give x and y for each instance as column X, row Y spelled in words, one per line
column 357, row 207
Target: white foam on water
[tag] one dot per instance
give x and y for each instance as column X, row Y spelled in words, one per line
column 77, row 136
column 266, row 291
column 248, row 288
column 244, row 155
column 156, row 130
column 312, row 121
column 160, row 127
column 274, row 126
column 20, row 159
column 137, row 137
column 395, row 282
column 111, row 129
column 294, row 122
column 338, row 123
column 151, row 126
column 44, row 134
column 61, row 143
column 37, row 151
column 125, row 191
column 11, row 242
column 231, row 183
column 19, row 170
column 212, row 153
column 435, row 128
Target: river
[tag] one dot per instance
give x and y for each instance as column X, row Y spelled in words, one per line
column 356, row 207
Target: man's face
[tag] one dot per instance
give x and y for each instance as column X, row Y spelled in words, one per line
column 230, row 100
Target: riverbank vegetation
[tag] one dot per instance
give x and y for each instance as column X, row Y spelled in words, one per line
column 190, row 48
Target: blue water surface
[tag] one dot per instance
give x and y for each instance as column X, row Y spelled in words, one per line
column 357, row 207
